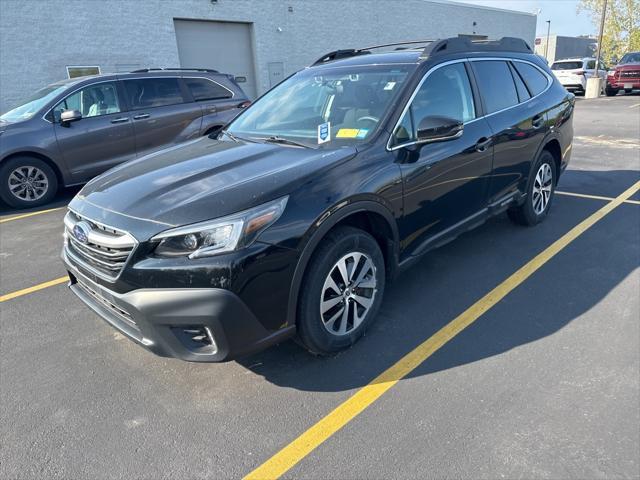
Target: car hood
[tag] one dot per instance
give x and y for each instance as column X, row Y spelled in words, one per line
column 628, row 66
column 200, row 180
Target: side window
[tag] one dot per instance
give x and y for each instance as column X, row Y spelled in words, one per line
column 153, row 92
column 534, row 78
column 446, row 92
column 523, row 93
column 591, row 64
column 91, row 101
column 203, row 89
column 496, row 84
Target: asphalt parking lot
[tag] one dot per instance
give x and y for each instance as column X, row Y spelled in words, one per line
column 544, row 382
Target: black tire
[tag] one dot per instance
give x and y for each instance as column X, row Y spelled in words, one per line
column 526, row 214
column 338, row 244
column 628, row 91
column 610, row 92
column 25, row 162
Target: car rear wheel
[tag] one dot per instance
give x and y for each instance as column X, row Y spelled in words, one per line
column 540, row 190
column 341, row 292
column 27, row 182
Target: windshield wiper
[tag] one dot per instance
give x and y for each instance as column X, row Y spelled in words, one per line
column 230, row 135
column 282, row 141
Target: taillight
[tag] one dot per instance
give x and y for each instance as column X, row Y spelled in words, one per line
column 244, row 104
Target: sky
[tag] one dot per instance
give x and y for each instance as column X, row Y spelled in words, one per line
column 563, row 15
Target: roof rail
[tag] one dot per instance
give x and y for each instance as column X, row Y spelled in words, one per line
column 465, row 44
column 434, row 47
column 353, row 52
column 146, row 70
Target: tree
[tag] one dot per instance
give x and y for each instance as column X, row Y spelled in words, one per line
column 621, row 26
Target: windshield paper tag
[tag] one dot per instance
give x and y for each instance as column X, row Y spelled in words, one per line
column 390, row 85
column 347, row 133
column 324, row 132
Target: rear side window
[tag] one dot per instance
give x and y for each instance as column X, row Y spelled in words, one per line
column 496, row 84
column 591, row 64
column 534, row 78
column 153, row 92
column 523, row 93
column 203, row 89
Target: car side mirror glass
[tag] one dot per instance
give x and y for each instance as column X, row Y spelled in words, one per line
column 69, row 116
column 439, row 128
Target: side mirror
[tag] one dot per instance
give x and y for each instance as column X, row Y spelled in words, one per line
column 438, row 128
column 69, row 116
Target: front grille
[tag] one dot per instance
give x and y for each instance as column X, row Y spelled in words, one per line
column 102, row 249
column 630, row 74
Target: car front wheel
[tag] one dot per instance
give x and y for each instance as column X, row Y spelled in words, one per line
column 27, row 182
column 341, row 292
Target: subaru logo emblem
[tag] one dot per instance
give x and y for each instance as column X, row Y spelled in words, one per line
column 81, row 232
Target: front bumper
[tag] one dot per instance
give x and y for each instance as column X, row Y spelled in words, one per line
column 157, row 319
column 625, row 83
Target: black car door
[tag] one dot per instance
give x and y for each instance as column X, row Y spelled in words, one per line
column 510, row 92
column 445, row 182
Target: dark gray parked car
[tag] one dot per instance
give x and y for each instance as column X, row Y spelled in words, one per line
column 73, row 130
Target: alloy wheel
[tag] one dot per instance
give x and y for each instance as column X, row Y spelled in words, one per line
column 28, row 183
column 542, row 186
column 348, row 293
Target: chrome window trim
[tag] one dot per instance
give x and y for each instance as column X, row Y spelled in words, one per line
column 233, row 94
column 389, row 148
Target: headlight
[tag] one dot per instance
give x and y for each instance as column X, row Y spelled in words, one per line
column 611, row 73
column 221, row 235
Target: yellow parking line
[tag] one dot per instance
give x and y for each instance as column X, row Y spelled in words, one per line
column 302, row 446
column 32, row 214
column 35, row 288
column 594, row 197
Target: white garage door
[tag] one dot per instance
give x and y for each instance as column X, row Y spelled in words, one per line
column 223, row 46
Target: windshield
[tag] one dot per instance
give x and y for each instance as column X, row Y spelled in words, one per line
column 631, row 58
column 329, row 107
column 33, row 104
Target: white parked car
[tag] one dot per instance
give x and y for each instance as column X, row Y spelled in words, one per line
column 573, row 72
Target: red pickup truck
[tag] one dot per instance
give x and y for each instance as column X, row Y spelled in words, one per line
column 626, row 75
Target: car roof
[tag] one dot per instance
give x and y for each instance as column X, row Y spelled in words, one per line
column 382, row 58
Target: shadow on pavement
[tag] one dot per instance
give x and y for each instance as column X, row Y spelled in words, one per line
column 449, row 280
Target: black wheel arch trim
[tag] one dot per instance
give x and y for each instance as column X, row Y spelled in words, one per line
column 320, row 227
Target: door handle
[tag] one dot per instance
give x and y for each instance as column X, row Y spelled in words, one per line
column 141, row 116
column 120, row 120
column 483, row 144
column 211, row 109
column 537, row 121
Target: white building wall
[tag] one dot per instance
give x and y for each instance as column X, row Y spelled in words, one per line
column 38, row 39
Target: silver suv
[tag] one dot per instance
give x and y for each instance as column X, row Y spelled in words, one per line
column 71, row 131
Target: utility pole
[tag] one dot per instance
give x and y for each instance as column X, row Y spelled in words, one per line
column 604, row 11
column 546, row 47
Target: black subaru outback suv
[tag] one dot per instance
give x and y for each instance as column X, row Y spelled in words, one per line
column 292, row 220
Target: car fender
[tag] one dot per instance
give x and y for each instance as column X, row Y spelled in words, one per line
column 323, row 224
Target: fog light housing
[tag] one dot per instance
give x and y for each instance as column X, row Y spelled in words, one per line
column 197, row 339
